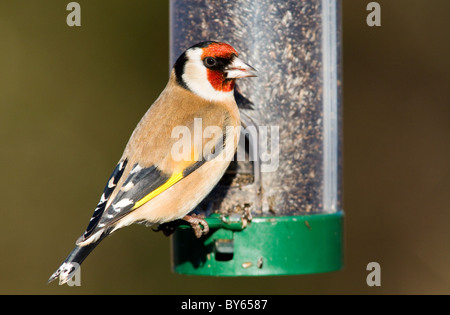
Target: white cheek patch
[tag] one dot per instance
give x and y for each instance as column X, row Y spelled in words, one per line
column 196, row 79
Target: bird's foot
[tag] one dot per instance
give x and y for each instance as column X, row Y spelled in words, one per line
column 198, row 224
column 167, row 228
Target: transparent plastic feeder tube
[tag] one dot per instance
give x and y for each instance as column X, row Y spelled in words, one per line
column 278, row 208
column 294, row 104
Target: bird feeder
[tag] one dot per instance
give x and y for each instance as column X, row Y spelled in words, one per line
column 278, row 208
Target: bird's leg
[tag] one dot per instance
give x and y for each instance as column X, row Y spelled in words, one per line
column 167, row 228
column 196, row 222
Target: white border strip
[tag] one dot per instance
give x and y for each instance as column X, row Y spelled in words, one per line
column 330, row 105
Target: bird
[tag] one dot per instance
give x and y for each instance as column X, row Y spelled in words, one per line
column 177, row 153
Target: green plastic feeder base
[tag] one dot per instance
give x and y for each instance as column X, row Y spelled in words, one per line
column 285, row 245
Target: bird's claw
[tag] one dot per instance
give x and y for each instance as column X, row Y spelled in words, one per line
column 197, row 222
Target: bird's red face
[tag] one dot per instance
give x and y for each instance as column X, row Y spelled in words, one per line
column 216, row 76
column 209, row 69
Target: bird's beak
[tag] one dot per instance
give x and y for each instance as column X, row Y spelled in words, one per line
column 239, row 69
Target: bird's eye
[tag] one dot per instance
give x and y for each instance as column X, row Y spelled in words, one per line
column 210, row 62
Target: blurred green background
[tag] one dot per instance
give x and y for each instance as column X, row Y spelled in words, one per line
column 70, row 97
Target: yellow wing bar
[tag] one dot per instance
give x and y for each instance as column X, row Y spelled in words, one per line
column 171, row 181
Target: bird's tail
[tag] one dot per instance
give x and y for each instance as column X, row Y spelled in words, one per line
column 67, row 270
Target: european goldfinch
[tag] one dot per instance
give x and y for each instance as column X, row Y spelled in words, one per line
column 162, row 176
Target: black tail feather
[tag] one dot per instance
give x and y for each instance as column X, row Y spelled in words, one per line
column 73, row 261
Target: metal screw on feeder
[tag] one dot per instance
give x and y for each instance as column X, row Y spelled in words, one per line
column 280, row 212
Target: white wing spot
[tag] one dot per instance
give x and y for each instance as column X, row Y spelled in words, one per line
column 122, row 204
column 136, row 169
column 127, row 187
column 111, row 183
